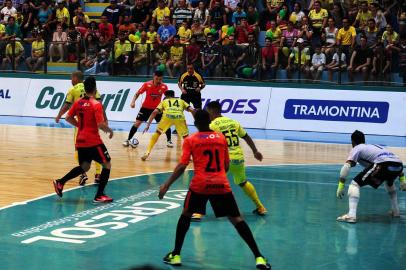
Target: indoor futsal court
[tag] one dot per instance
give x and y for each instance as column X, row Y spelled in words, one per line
column 296, row 181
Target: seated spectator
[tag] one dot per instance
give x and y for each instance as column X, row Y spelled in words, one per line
column 44, row 14
column 101, row 66
column 274, row 33
column 36, row 60
column 329, row 37
column 181, row 14
column 58, row 45
column 91, row 51
column 160, row 13
column 318, row 19
column 238, row 14
column 361, row 60
column 253, row 18
column 361, row 21
column 218, row 14
column 282, row 18
column 295, row 63
column 242, row 31
column 201, row 14
column 106, row 29
column 270, row 60
column 80, row 18
column 166, row 33
column 7, row 11
column 127, row 27
column 390, row 41
column 318, row 63
column 160, row 59
column 288, row 40
column 265, row 17
column 346, row 37
column 193, row 53
column 371, row 33
column 62, row 15
column 297, row 14
column 184, row 33
column 250, row 56
column 93, row 29
column 113, row 14
column 379, row 62
column 15, row 50
column 73, row 44
column 305, row 32
column 337, row 14
column 232, row 57
column 13, row 29
column 28, row 14
column 230, row 6
column 378, row 16
column 210, row 57
column 122, row 51
column 198, row 31
column 141, row 51
column 338, row 63
column 140, row 13
column 213, row 29
column 151, row 35
column 175, row 62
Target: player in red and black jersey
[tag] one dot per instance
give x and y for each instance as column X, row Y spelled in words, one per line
column 209, row 151
column 87, row 115
column 153, row 95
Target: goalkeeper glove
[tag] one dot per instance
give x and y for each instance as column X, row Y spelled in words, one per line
column 402, row 181
column 340, row 190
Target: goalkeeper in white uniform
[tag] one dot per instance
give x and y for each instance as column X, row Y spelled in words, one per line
column 381, row 166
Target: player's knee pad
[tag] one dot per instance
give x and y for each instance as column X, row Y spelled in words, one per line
column 353, row 190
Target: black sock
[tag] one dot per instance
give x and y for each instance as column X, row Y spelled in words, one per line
column 181, row 230
column 104, row 178
column 75, row 172
column 132, row 132
column 246, row 234
column 168, row 135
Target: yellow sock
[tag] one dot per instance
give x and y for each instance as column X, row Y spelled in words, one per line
column 250, row 191
column 98, row 167
column 153, row 141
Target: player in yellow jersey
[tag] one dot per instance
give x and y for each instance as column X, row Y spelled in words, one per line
column 76, row 92
column 172, row 109
column 233, row 131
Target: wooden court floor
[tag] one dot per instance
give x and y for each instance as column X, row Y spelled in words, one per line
column 31, row 157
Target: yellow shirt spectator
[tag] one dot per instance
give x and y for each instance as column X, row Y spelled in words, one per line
column 345, row 36
column 317, row 17
column 276, row 35
column 275, row 3
column 305, row 56
column 2, row 29
column 141, row 49
column 184, row 34
column 151, row 37
column 38, row 48
column 17, row 50
column 161, row 57
column 176, row 53
column 390, row 38
column 160, row 14
column 122, row 48
column 363, row 18
column 61, row 14
column 85, row 19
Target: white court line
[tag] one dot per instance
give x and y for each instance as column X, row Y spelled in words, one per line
column 144, row 174
column 291, row 181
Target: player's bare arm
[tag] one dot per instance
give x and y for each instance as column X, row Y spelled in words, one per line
column 134, row 99
column 150, row 119
column 66, row 106
column 179, row 170
column 258, row 155
column 104, row 127
column 71, row 120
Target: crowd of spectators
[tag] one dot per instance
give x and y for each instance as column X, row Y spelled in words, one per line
column 228, row 38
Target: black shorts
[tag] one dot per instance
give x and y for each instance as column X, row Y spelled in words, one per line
column 194, row 98
column 97, row 153
column 224, row 205
column 144, row 114
column 378, row 173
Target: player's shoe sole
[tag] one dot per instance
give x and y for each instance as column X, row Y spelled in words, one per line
column 103, row 199
column 174, row 260
column 262, row 264
column 347, row 218
column 82, row 179
column 260, row 211
column 58, row 188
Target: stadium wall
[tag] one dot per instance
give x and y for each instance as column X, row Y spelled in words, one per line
column 322, row 108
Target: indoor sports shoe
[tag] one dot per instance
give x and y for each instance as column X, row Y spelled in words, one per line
column 58, row 186
column 145, row 156
column 97, row 178
column 82, row 179
column 172, row 259
column 196, row 217
column 102, row 199
column 126, row 143
column 347, row 218
column 261, row 263
column 261, row 211
column 169, row 144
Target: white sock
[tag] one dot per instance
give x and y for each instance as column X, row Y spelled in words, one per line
column 393, row 197
column 353, row 199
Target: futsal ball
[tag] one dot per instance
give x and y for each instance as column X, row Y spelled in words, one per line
column 134, row 142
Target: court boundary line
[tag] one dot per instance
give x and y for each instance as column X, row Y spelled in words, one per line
column 144, row 174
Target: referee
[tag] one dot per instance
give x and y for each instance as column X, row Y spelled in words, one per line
column 191, row 84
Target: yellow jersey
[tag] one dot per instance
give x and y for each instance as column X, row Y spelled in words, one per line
column 76, row 92
column 173, row 108
column 317, row 17
column 151, row 37
column 346, row 35
column 176, row 53
column 160, row 14
column 62, row 13
column 18, row 49
column 233, row 131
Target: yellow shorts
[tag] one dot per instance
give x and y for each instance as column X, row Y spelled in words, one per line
column 237, row 170
column 180, row 125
